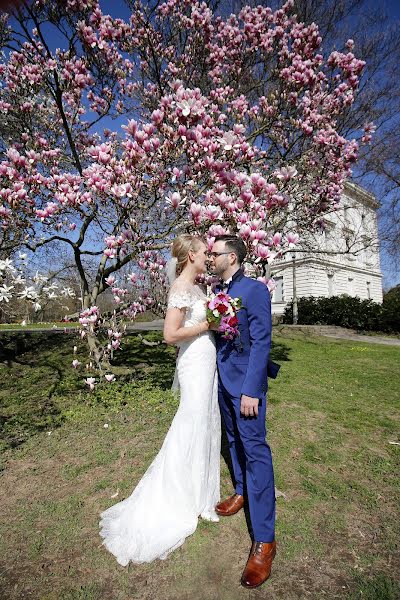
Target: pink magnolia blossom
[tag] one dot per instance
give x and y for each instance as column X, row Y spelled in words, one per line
column 286, row 173
column 110, row 280
column 292, row 239
column 175, row 200
column 269, row 282
column 90, row 382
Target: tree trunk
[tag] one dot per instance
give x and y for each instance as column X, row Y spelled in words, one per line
column 95, row 347
column 96, row 352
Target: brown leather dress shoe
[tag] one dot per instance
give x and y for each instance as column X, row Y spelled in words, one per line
column 258, row 567
column 230, row 506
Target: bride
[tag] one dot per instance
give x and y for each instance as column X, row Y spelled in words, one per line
column 182, row 483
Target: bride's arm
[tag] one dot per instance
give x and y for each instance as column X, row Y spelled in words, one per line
column 174, row 332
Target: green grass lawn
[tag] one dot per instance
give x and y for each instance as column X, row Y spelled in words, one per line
column 141, row 318
column 333, row 413
column 52, row 325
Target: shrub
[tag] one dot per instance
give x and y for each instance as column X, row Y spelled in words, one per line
column 348, row 311
column 391, row 310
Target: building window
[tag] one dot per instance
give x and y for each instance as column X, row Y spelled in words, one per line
column 369, row 290
column 367, row 250
column 278, row 292
column 331, row 288
column 330, row 235
column 349, row 238
column 350, row 286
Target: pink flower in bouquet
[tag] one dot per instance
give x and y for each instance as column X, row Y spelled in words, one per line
column 222, row 310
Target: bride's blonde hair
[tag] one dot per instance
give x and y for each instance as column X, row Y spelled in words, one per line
column 181, row 247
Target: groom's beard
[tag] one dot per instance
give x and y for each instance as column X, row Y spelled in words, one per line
column 213, row 271
column 218, row 272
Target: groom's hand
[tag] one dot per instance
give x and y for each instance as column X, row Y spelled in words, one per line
column 249, row 406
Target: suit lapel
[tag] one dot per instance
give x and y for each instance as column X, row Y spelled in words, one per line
column 236, row 278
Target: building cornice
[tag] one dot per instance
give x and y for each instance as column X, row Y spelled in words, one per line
column 325, row 263
column 356, row 192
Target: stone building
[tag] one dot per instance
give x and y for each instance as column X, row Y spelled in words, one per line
column 343, row 259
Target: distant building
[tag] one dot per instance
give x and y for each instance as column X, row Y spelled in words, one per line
column 344, row 259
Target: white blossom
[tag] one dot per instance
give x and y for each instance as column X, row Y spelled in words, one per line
column 29, row 293
column 68, row 292
column 50, row 288
column 19, row 280
column 38, row 278
column 6, row 265
column 5, row 293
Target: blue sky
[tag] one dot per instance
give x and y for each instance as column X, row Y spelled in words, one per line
column 118, row 7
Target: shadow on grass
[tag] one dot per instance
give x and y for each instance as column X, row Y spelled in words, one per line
column 155, row 363
column 34, row 366
column 31, row 348
column 280, row 352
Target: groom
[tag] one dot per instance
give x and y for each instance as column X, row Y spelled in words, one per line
column 242, row 368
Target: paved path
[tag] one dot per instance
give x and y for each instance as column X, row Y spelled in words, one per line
column 340, row 333
column 368, row 339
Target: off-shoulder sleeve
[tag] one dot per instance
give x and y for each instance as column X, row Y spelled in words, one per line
column 180, row 296
column 179, row 299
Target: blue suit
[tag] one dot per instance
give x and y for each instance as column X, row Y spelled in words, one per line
column 242, row 368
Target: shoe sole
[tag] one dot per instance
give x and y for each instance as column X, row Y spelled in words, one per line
column 252, row 587
column 221, row 514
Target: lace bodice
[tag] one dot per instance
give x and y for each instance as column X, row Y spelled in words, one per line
column 192, row 298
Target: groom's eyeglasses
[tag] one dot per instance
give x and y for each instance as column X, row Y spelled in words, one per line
column 215, row 254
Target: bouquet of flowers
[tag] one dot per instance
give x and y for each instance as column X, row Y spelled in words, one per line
column 221, row 310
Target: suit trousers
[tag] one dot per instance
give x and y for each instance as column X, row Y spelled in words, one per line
column 252, row 462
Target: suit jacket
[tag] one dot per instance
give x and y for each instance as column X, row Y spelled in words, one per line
column 243, row 362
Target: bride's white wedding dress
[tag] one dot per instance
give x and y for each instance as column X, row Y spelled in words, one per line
column 182, row 483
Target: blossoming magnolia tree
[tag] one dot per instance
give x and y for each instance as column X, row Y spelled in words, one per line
column 120, row 134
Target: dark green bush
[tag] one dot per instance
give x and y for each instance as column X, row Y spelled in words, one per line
column 348, row 311
column 391, row 310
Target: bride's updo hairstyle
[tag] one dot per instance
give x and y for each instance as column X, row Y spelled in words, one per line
column 181, row 247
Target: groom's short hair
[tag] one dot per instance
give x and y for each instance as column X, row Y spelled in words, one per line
column 234, row 244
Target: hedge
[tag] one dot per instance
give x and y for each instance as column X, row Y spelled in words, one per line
column 349, row 311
